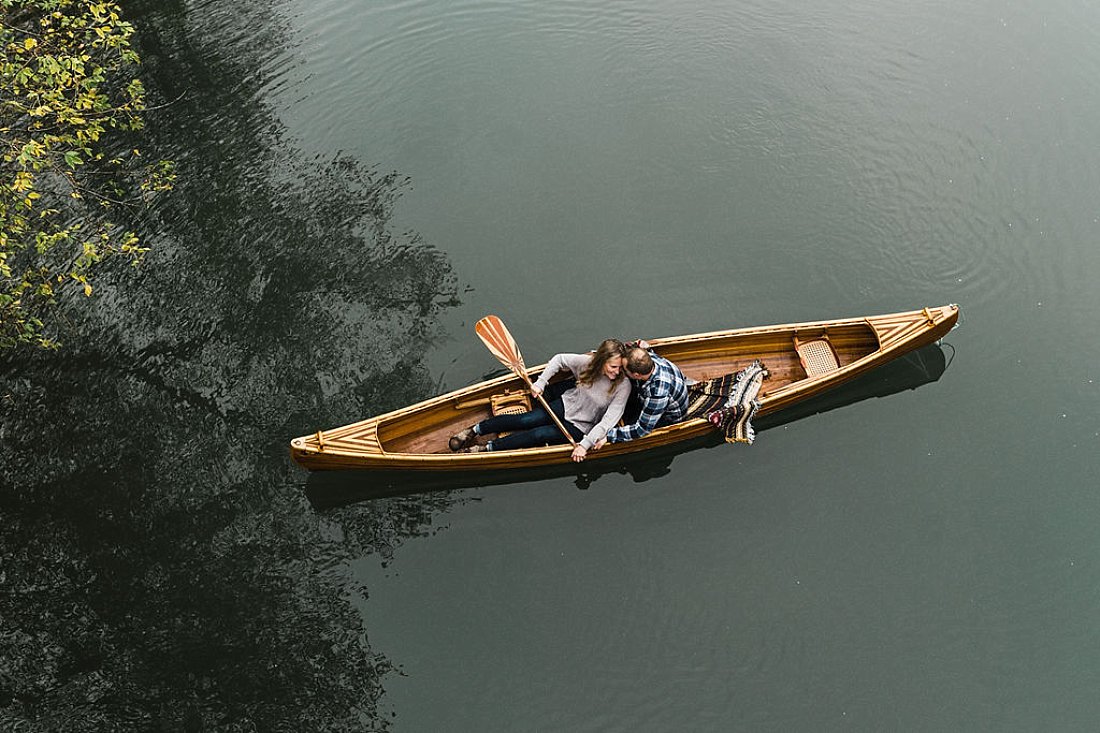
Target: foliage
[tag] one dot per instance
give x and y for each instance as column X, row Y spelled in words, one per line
column 160, row 566
column 68, row 100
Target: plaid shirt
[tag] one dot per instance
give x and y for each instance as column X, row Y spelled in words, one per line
column 664, row 400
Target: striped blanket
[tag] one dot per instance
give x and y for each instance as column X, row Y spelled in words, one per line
column 729, row 402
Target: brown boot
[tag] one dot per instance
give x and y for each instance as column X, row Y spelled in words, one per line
column 462, row 440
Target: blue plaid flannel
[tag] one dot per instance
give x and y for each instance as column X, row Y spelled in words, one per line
column 664, row 401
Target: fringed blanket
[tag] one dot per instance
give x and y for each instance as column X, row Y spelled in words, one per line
column 729, row 402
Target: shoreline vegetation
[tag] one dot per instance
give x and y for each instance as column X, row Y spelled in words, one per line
column 72, row 174
column 160, row 564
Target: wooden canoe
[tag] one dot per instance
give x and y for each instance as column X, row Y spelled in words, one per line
column 803, row 361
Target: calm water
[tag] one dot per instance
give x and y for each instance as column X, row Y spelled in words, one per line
column 363, row 181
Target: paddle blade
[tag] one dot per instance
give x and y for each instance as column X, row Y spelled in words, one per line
column 494, row 334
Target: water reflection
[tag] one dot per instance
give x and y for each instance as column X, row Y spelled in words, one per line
column 326, row 489
column 160, row 569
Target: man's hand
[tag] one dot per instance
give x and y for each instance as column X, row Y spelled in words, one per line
column 599, row 444
column 579, row 453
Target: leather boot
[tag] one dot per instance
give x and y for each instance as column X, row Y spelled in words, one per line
column 462, row 440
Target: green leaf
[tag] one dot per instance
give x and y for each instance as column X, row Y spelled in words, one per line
column 66, row 93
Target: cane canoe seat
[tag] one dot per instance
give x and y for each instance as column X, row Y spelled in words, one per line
column 510, row 403
column 817, row 355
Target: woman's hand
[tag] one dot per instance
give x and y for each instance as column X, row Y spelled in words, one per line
column 579, row 453
column 535, row 391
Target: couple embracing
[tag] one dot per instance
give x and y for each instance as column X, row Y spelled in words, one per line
column 590, row 406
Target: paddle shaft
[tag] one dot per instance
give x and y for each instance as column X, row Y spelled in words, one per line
column 546, row 406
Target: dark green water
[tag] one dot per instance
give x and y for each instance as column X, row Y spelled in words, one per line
column 361, row 181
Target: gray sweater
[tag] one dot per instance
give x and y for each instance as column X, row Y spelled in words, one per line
column 594, row 408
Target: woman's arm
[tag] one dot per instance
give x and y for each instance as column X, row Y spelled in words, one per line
column 611, row 415
column 573, row 362
column 552, row 368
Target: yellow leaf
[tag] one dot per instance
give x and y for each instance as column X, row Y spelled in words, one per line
column 29, row 43
column 87, row 289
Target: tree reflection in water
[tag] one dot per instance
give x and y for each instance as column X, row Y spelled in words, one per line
column 159, row 565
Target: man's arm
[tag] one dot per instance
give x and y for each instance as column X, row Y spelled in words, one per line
column 652, row 410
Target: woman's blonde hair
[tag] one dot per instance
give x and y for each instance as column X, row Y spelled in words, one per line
column 609, row 349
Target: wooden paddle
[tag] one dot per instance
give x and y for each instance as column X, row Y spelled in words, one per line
column 494, row 334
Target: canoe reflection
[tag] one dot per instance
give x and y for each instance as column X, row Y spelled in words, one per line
column 328, row 489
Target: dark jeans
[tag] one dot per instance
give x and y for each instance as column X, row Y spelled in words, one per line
column 534, row 428
column 633, row 408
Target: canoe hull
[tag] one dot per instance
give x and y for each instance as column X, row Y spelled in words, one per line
column 414, row 438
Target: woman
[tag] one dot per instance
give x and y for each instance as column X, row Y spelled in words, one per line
column 588, row 409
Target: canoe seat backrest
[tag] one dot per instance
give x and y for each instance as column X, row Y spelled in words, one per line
column 817, row 355
column 510, row 403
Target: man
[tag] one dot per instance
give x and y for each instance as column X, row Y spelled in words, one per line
column 663, row 390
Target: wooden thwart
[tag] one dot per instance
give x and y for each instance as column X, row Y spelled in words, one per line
column 499, row 402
